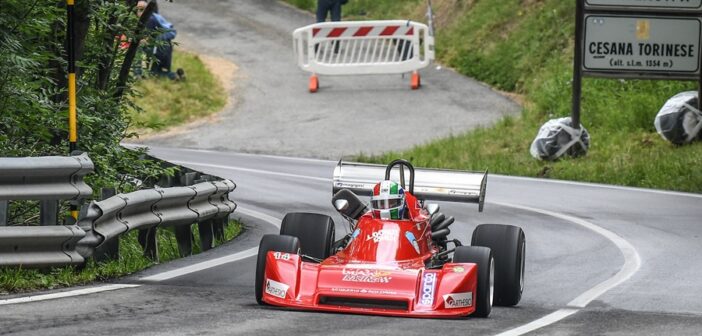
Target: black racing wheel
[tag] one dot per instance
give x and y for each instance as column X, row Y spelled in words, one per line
column 482, row 256
column 508, row 246
column 315, row 232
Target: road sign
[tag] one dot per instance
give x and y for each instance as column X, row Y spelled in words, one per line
column 642, row 47
column 652, row 5
column 645, row 39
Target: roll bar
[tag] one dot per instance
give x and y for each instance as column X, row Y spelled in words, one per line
column 425, row 183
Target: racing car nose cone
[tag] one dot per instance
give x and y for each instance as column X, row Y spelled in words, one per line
column 364, row 279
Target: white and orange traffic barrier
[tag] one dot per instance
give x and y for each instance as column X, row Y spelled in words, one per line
column 363, row 48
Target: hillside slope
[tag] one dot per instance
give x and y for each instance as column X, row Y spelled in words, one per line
column 526, row 47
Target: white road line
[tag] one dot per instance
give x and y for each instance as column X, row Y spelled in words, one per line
column 260, row 215
column 521, row 178
column 202, row 266
column 632, row 263
column 210, row 151
column 77, row 292
column 249, row 170
column 540, row 323
column 219, row 261
column 599, row 185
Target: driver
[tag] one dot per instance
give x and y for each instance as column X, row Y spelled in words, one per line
column 388, row 201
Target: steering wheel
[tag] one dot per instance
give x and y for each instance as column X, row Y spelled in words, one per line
column 402, row 163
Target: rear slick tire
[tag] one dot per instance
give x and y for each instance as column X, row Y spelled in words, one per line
column 508, row 246
column 482, row 256
column 276, row 243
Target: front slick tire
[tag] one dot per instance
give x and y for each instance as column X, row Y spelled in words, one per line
column 315, row 232
column 276, row 243
column 482, row 256
column 508, row 246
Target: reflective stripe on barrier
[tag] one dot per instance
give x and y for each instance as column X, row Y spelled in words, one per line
column 363, row 47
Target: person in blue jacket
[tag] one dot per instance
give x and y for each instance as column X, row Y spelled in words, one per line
column 162, row 51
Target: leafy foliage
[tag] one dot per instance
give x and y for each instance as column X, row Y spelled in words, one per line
column 33, row 94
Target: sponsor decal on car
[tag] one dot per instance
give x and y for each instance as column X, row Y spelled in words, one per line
column 365, row 275
column 276, row 288
column 364, row 291
column 458, row 300
column 428, row 286
column 458, row 269
column 412, row 240
column 383, row 235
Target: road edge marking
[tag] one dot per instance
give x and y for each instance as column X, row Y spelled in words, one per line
column 60, row 295
column 249, row 170
column 632, row 264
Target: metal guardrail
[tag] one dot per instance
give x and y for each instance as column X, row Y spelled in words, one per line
column 49, row 180
column 40, row 246
column 61, row 178
column 145, row 209
column 45, row 178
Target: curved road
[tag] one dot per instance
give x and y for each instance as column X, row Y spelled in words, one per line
column 348, row 116
column 639, row 244
column 600, row 260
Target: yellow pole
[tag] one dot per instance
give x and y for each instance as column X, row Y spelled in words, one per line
column 72, row 114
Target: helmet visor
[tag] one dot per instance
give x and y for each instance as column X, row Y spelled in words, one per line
column 384, row 204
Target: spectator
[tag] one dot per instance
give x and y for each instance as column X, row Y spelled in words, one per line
column 162, row 51
column 325, row 7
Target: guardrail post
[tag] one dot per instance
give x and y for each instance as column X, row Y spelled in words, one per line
column 109, row 250
column 4, row 212
column 218, row 227
column 184, row 238
column 49, row 213
column 147, row 240
column 206, row 235
column 189, row 178
column 165, row 181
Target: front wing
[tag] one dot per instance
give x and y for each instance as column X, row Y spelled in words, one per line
column 370, row 289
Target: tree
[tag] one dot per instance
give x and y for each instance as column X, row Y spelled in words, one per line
column 33, row 101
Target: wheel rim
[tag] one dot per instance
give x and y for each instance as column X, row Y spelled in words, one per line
column 521, row 271
column 492, row 279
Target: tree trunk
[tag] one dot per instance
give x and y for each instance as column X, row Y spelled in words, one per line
column 131, row 52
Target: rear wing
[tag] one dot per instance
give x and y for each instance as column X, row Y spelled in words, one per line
column 429, row 184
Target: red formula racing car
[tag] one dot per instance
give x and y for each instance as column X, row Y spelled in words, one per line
column 397, row 259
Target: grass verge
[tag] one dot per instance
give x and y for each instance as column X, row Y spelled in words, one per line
column 16, row 280
column 167, row 103
column 526, row 47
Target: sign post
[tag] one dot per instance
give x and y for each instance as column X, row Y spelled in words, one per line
column 641, row 39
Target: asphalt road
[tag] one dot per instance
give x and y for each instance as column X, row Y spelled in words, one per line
column 350, row 114
column 579, row 237
column 600, row 260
